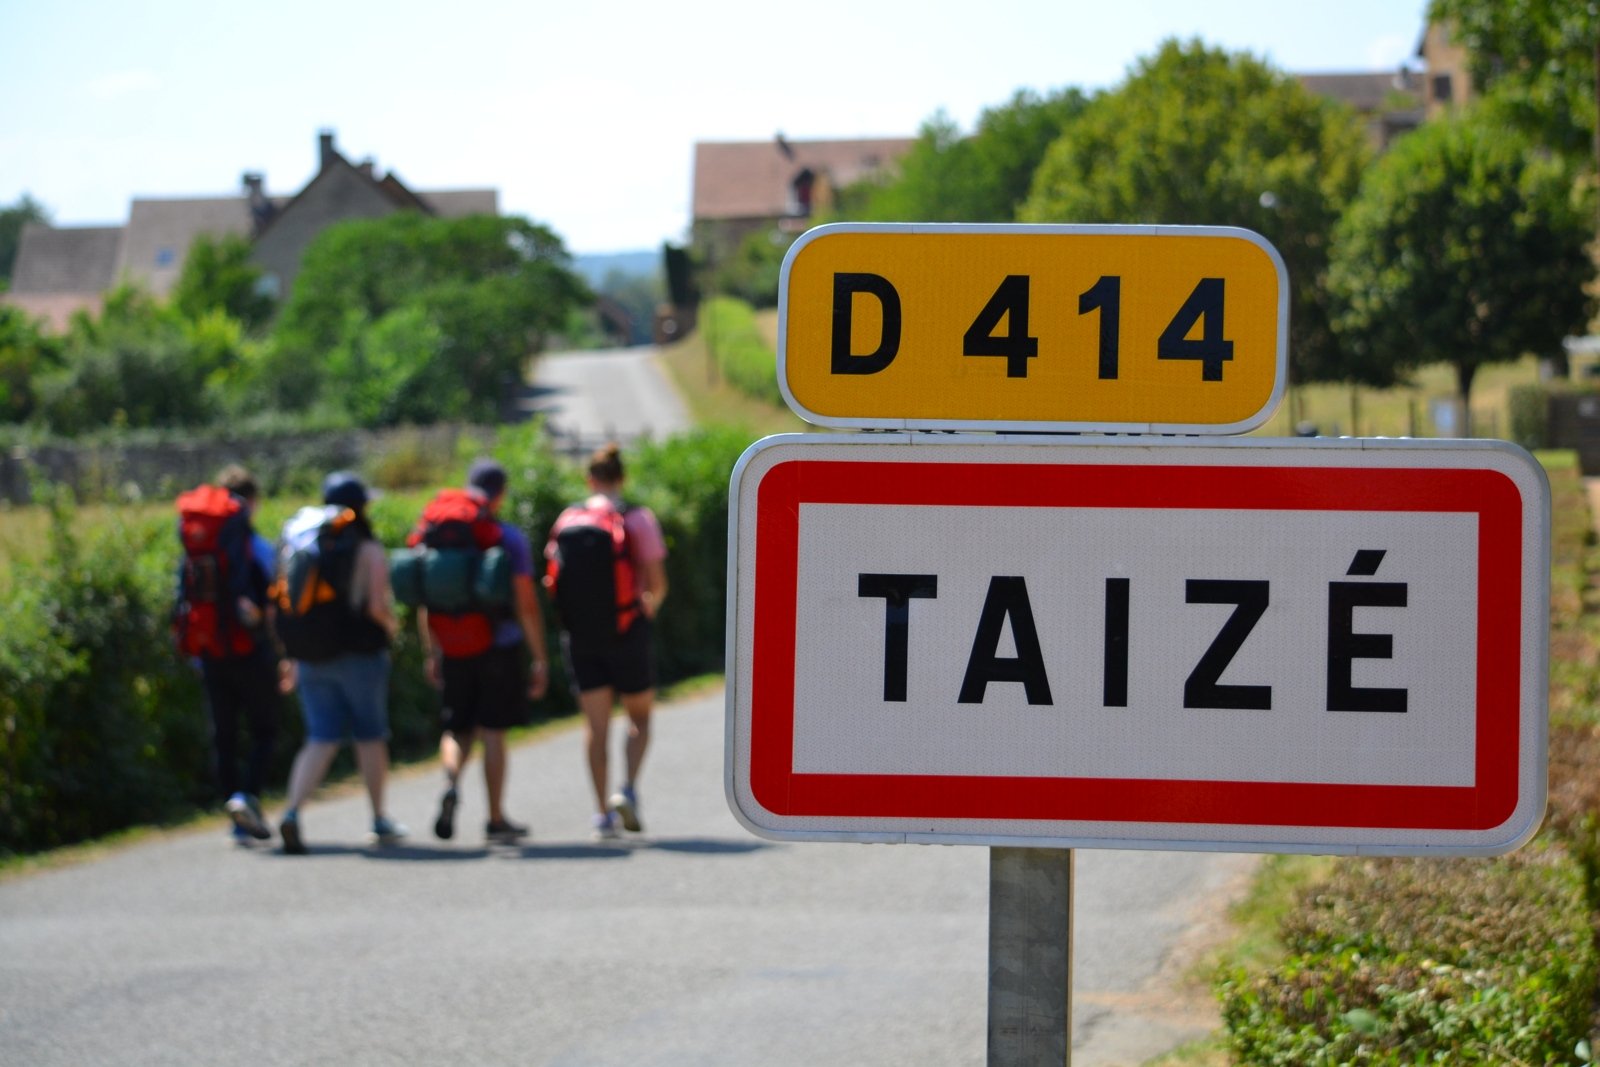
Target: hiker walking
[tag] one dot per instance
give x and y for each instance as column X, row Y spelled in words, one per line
column 608, row 576
column 473, row 639
column 220, row 622
column 335, row 618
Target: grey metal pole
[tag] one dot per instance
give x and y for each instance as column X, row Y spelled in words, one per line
column 1030, row 956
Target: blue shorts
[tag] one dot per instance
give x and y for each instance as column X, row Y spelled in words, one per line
column 346, row 697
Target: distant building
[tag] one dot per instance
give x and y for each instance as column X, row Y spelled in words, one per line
column 745, row 187
column 1447, row 81
column 60, row 270
column 1389, row 102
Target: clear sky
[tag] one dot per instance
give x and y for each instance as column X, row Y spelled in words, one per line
column 583, row 115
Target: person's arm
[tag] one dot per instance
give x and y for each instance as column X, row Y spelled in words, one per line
column 431, row 655
column 652, row 587
column 380, row 597
column 531, row 617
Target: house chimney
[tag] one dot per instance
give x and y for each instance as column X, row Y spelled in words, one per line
column 326, row 153
column 365, row 166
column 261, row 209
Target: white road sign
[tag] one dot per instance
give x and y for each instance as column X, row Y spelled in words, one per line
column 1334, row 646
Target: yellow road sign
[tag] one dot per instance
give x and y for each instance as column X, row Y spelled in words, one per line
column 1175, row 329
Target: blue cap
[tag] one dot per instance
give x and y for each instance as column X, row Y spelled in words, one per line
column 345, row 489
column 488, row 476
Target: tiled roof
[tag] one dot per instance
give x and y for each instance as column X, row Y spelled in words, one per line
column 72, row 259
column 1365, row 91
column 753, row 179
column 159, row 234
column 455, row 203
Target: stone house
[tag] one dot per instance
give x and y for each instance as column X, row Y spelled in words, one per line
column 60, row 270
column 745, row 187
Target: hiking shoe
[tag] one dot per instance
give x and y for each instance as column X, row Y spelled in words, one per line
column 289, row 830
column 605, row 826
column 385, row 831
column 444, row 827
column 240, row 836
column 626, row 807
column 246, row 816
column 504, row 830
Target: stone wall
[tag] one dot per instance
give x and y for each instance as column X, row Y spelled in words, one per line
column 154, row 471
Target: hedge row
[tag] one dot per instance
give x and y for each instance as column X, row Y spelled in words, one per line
column 102, row 725
column 1427, row 961
column 735, row 342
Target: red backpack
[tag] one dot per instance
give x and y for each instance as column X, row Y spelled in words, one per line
column 458, row 526
column 214, row 528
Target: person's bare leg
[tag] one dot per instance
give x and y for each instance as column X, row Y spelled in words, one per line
column 596, row 706
column 494, row 771
column 638, row 706
column 372, row 757
column 310, row 767
column 455, row 753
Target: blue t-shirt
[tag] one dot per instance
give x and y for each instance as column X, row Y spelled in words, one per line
column 508, row 632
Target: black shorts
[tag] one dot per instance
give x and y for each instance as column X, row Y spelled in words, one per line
column 490, row 690
column 626, row 664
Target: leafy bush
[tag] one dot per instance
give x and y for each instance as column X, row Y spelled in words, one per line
column 1426, row 960
column 1530, row 416
column 100, row 723
column 735, row 342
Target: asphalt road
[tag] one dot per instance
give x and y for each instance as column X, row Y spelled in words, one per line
column 619, row 393
column 694, row 943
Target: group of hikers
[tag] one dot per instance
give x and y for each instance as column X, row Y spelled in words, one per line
column 316, row 614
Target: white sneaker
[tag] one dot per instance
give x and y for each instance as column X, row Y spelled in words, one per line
column 625, row 805
column 605, row 827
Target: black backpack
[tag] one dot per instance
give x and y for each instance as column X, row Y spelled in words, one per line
column 591, row 573
column 316, row 560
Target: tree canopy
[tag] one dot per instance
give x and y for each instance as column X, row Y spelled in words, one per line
column 1200, row 136
column 982, row 178
column 12, row 219
column 411, row 318
column 218, row 276
column 1466, row 245
column 1535, row 59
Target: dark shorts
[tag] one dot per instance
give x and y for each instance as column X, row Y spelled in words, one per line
column 626, row 664
column 490, row 690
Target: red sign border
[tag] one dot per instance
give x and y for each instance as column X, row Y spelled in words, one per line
column 1488, row 494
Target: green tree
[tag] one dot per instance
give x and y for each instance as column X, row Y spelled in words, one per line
column 1204, row 137
column 12, row 219
column 489, row 289
column 982, row 178
column 751, row 274
column 218, row 276
column 1467, row 246
column 140, row 364
column 637, row 294
column 26, row 351
column 1534, row 58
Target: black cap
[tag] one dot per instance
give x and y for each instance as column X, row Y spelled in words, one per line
column 487, row 475
column 345, row 489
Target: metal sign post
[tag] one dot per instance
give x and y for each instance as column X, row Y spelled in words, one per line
column 1030, row 956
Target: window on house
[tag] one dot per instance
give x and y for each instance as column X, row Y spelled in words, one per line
column 1441, row 88
column 801, row 190
column 166, row 256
